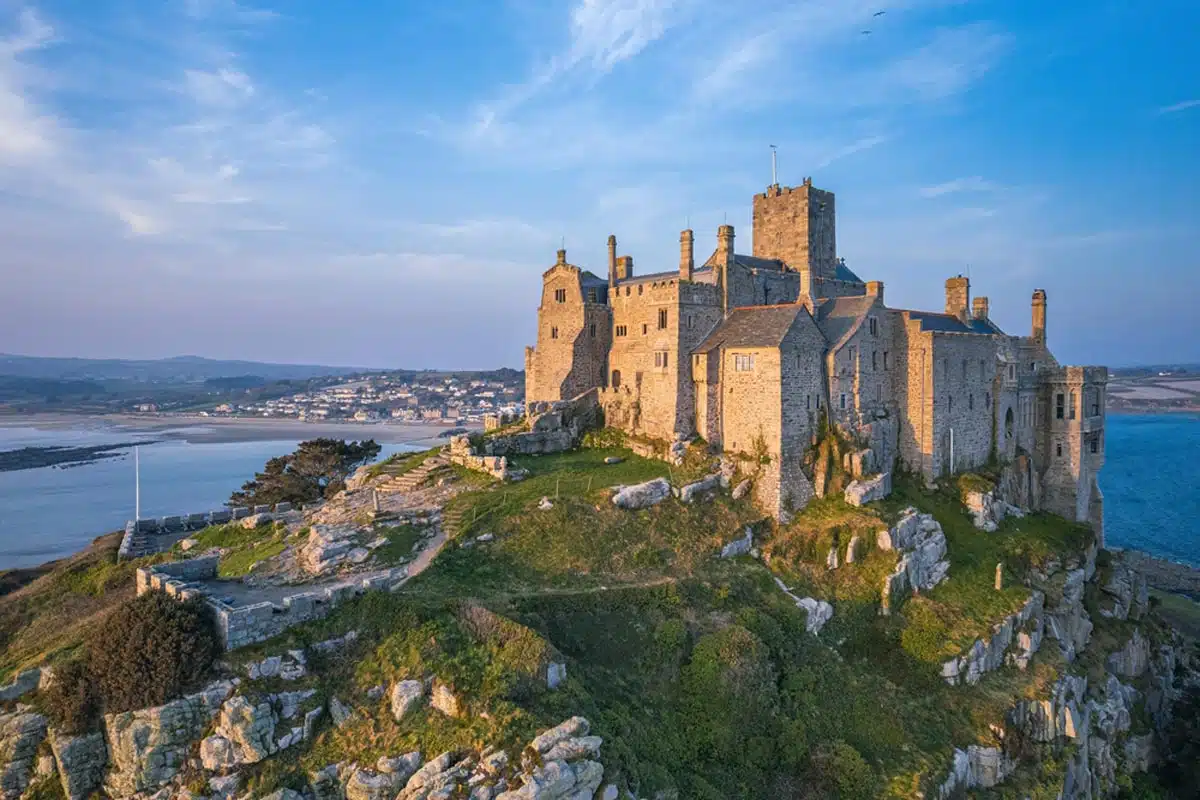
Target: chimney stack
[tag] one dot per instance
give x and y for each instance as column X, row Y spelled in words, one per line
column 612, row 260
column 1039, row 316
column 725, row 245
column 958, row 296
column 979, row 308
column 875, row 289
column 624, row 267
column 687, row 258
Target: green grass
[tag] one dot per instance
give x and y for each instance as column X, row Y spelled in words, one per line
column 947, row 620
column 1183, row 613
column 399, row 463
column 400, row 542
column 245, row 546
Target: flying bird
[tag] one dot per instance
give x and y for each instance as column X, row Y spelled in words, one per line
column 866, row 33
column 879, row 13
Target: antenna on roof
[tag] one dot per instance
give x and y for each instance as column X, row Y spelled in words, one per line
column 774, row 168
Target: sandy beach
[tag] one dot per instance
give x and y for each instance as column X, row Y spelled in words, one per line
column 219, row 430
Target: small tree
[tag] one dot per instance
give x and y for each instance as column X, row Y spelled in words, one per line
column 70, row 699
column 318, row 468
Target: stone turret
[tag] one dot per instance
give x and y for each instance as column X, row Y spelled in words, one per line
column 687, row 256
column 624, row 267
column 1039, row 316
column 725, row 246
column 958, row 296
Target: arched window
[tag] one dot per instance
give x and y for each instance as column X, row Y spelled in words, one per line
column 1008, row 424
column 1071, row 413
column 616, row 379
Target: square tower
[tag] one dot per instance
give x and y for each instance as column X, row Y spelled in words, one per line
column 798, row 227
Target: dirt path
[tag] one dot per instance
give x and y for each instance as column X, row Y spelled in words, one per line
column 426, row 556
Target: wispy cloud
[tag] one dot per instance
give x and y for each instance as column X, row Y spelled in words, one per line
column 858, row 146
column 958, row 186
column 1177, row 107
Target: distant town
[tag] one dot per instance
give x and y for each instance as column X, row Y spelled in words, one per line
column 447, row 399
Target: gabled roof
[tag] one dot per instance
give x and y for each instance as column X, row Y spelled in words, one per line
column 590, row 279
column 948, row 323
column 839, row 317
column 844, row 273
column 753, row 326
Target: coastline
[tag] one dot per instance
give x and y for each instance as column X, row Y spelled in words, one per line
column 195, row 429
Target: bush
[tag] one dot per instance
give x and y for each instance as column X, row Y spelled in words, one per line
column 70, row 700
column 151, row 650
column 844, row 771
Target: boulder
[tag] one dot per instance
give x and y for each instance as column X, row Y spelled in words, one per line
column 819, row 612
column 340, row 712
column 82, row 761
column 444, row 700
column 188, row 544
column 406, row 696
column 24, row 683
column 642, row 495
column 740, row 546
column 255, row 520
column 367, row 785
column 21, row 734
column 403, row 766
column 613, row 460
column 695, row 491
column 556, row 673
column 741, row 490
column 868, row 490
column 225, row 786
column 217, row 754
column 248, row 729
column 573, row 727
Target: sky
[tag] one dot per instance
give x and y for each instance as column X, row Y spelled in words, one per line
column 381, row 183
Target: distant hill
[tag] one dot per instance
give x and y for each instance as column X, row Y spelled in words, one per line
column 180, row 369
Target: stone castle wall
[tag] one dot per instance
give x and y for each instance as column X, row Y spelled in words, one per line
column 963, row 378
column 798, row 226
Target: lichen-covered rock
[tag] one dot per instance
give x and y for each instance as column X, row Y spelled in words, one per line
column 868, row 490
column 694, row 491
column 819, row 612
column 24, row 683
column 406, row 696
column 742, row 489
column 21, row 733
column 1126, row 595
column 740, row 546
column 249, row 728
column 148, row 747
column 81, row 761
column 642, row 495
column 367, row 785
column 443, row 699
column 1132, row 660
column 987, row 510
column 1022, row 629
column 556, row 673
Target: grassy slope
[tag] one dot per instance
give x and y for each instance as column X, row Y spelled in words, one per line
column 47, row 618
column 637, row 606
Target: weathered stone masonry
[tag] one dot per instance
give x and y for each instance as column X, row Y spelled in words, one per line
column 700, row 351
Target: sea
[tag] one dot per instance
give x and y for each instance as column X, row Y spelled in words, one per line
column 1151, row 485
column 51, row 512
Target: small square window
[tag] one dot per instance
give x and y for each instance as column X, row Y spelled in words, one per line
column 1058, row 449
column 554, row 333
column 560, row 295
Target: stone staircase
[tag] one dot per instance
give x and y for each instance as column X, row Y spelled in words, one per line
column 430, row 469
column 455, row 520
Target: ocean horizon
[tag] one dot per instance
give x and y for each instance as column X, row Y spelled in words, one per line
column 1152, row 470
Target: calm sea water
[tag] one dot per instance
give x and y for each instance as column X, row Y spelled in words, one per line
column 52, row 512
column 1151, row 486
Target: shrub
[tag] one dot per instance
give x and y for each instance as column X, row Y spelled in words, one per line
column 844, row 771
column 151, row 650
column 70, row 700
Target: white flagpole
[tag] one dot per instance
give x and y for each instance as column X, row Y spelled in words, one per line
column 137, row 486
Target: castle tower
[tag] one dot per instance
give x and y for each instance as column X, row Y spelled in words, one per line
column 798, row 227
column 958, row 296
column 1039, row 316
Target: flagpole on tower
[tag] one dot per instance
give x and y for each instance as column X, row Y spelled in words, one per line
column 774, row 168
column 137, row 486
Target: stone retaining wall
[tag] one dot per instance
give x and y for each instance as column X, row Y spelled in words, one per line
column 156, row 534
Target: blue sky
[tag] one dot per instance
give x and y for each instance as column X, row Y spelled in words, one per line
column 383, row 186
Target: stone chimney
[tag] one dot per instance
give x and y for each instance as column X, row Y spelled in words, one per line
column 1039, row 316
column 875, row 289
column 612, row 260
column 687, row 256
column 725, row 245
column 979, row 308
column 624, row 267
column 958, row 296
column 562, row 257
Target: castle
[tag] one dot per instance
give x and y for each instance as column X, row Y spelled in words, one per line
column 750, row 352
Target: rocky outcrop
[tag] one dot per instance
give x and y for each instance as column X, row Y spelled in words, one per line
column 21, row 733
column 868, row 490
column 443, row 699
column 327, row 547
column 82, row 762
column 24, row 683
column 740, row 546
column 1013, row 641
column 149, row 746
column 642, row 495
column 289, row 667
column 922, row 546
column 987, row 510
column 1125, row 595
column 977, row 767
column 1132, row 660
column 247, row 732
column 819, row 612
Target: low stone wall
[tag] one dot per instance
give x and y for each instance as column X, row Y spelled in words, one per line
column 463, row 454
column 239, row 626
column 151, row 535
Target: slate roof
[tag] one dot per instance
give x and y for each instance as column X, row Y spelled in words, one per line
column 844, row 273
column 948, row 323
column 590, row 279
column 839, row 317
column 754, row 326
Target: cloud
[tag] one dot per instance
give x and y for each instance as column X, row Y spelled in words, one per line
column 219, row 87
column 229, row 11
column 957, row 186
column 858, row 146
column 1177, row 107
column 953, row 60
